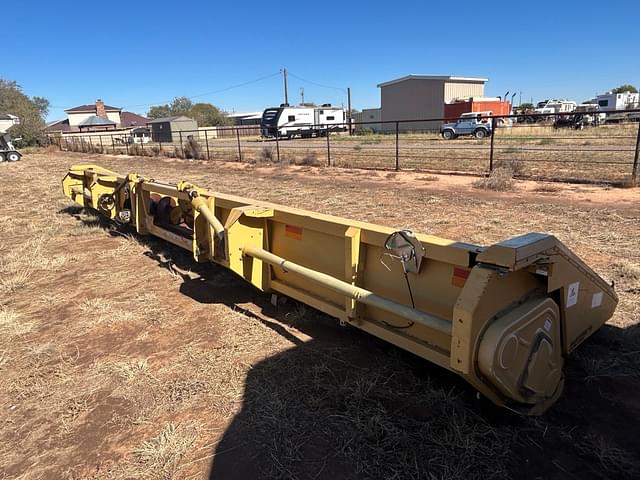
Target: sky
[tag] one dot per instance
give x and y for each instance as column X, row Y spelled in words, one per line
column 134, row 54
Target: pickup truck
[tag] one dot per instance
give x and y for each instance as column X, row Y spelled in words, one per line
column 466, row 126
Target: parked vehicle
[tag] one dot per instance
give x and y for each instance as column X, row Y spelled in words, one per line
column 555, row 106
column 593, row 111
column 618, row 101
column 287, row 122
column 576, row 121
column 7, row 151
column 476, row 125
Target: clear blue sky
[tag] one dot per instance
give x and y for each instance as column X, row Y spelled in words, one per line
column 135, row 53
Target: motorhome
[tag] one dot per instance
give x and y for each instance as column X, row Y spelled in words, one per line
column 286, row 121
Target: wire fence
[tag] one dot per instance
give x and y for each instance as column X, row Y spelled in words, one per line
column 561, row 147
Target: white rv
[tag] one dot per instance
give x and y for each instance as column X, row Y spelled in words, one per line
column 555, row 106
column 287, row 122
column 618, row 101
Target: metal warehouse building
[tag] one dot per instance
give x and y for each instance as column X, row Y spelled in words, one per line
column 423, row 96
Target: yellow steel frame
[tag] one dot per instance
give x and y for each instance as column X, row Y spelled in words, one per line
column 503, row 317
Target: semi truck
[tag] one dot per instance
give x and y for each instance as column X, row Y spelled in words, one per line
column 304, row 121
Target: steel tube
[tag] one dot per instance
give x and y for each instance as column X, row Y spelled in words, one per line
column 200, row 204
column 359, row 294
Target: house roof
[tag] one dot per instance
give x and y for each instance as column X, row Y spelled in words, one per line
column 91, row 108
column 130, row 119
column 58, row 126
column 95, row 121
column 450, row 78
column 169, row 119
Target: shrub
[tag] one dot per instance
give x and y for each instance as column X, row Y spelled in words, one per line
column 193, row 150
column 266, row 155
column 516, row 166
column 310, row 159
column 500, row 180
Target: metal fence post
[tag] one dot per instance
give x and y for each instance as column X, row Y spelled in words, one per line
column 113, row 144
column 634, row 172
column 141, row 145
column 328, row 147
column 181, row 144
column 493, row 134
column 101, row 145
column 206, row 142
column 66, row 143
column 239, row 149
column 159, row 144
column 90, row 145
column 126, row 145
column 397, row 147
column 278, row 144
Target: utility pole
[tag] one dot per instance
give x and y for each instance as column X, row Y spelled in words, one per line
column 301, row 95
column 286, row 92
column 349, row 107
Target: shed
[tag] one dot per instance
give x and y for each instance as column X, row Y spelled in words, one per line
column 168, row 129
column 415, row 97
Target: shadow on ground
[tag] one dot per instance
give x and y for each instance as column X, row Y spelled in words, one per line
column 346, row 405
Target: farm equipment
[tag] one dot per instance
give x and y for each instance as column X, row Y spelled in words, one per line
column 7, row 150
column 504, row 317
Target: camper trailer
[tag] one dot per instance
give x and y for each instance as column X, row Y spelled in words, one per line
column 555, row 106
column 618, row 101
column 303, row 121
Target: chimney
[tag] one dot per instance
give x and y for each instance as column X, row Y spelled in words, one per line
column 100, row 111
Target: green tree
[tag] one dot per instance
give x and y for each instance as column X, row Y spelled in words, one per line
column 525, row 107
column 625, row 88
column 178, row 106
column 208, row 115
column 31, row 110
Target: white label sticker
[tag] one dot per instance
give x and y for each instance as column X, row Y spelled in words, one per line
column 547, row 325
column 572, row 294
column 596, row 300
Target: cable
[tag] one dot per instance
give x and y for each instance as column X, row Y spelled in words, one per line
column 211, row 92
column 193, row 96
column 315, row 83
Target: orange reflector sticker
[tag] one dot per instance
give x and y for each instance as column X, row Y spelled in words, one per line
column 293, row 232
column 460, row 276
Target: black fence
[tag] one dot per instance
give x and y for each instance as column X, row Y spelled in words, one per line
column 566, row 146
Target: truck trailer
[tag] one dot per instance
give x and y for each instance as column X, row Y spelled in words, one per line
column 304, row 121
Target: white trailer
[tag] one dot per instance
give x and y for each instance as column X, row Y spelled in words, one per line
column 7, row 150
column 618, row 101
column 287, row 122
column 555, row 106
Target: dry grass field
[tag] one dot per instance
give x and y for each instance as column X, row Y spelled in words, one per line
column 121, row 358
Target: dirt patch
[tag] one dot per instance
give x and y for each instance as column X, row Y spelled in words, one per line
column 122, row 358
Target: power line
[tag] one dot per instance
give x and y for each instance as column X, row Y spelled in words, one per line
column 198, row 95
column 211, row 92
column 317, row 84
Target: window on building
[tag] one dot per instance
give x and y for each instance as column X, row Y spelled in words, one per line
column 292, row 118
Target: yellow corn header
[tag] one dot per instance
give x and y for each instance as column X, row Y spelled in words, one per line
column 503, row 317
